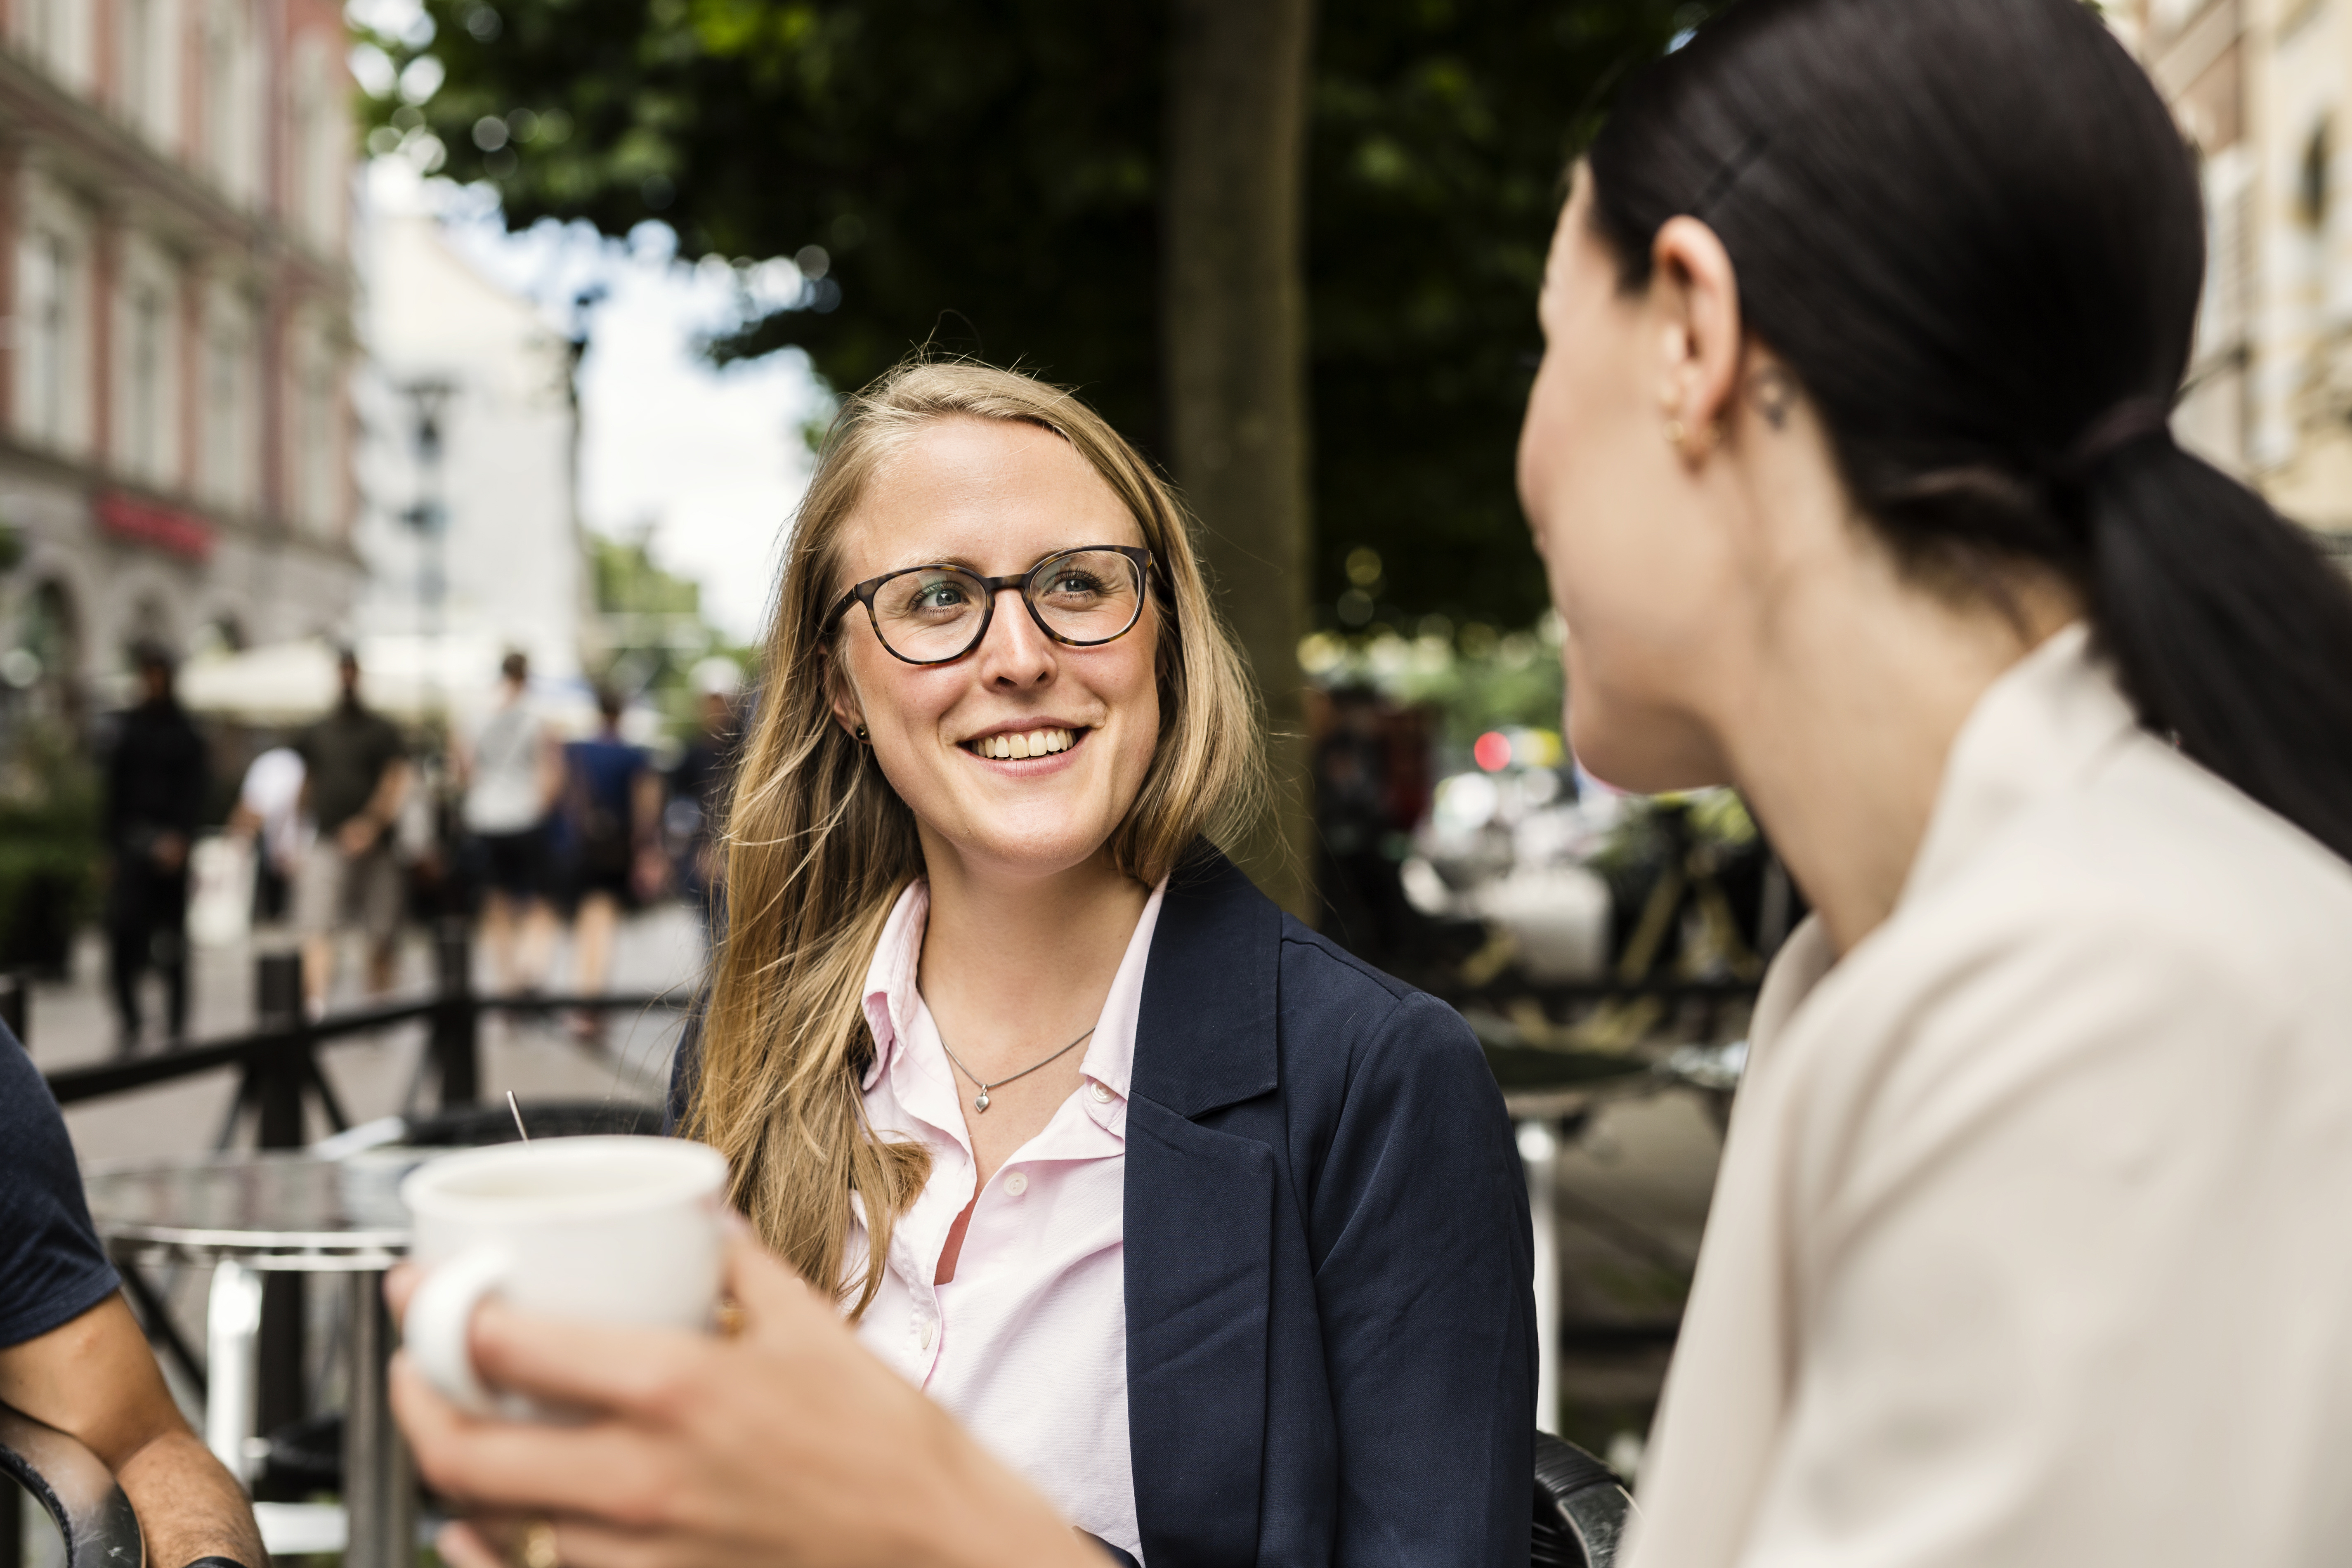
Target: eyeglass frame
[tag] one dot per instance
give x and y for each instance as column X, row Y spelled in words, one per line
column 1138, row 556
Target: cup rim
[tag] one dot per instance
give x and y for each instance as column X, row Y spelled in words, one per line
column 694, row 1171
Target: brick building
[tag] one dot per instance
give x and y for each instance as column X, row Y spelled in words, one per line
column 2262, row 89
column 175, row 429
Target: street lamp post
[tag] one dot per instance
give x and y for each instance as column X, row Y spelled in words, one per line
column 429, row 517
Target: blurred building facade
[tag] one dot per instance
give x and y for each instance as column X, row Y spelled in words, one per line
column 470, row 528
column 2262, row 89
column 174, row 422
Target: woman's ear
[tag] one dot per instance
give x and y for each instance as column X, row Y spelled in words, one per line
column 847, row 711
column 1696, row 293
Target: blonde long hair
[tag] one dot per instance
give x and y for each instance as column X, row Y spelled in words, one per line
column 819, row 845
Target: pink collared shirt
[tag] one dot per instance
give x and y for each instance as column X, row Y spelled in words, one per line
column 1027, row 1345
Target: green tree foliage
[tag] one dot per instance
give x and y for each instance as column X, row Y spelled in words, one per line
column 985, row 179
column 649, row 631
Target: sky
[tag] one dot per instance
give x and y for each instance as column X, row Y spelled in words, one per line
column 712, row 459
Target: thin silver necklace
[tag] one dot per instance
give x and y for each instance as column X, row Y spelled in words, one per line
column 979, row 1100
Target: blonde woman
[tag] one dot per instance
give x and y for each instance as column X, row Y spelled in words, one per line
column 1212, row 1232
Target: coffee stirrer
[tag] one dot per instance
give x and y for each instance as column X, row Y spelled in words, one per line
column 519, row 1129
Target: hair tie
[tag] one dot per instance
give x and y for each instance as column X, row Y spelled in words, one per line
column 2133, row 420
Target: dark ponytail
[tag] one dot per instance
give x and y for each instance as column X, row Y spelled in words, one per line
column 1972, row 232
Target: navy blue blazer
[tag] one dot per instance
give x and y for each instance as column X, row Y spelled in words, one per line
column 1331, row 1312
column 1330, row 1309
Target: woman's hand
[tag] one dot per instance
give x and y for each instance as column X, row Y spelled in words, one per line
column 786, row 1443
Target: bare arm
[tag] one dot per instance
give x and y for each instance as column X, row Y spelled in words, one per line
column 550, row 769
column 645, row 808
column 95, row 1379
column 391, row 793
column 376, row 818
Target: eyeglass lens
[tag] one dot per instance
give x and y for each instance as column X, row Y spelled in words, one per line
column 935, row 613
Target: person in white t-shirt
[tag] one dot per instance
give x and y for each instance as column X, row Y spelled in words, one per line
column 512, row 766
column 269, row 811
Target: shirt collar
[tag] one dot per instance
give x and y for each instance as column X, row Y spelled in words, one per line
column 1110, row 1055
column 891, row 996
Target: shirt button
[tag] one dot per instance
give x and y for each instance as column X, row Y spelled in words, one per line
column 923, row 1334
column 1102, row 1095
column 1017, row 1183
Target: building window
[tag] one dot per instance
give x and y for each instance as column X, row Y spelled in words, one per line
column 45, row 30
column 230, row 74
column 138, row 25
column 143, row 416
column 51, row 278
column 227, row 416
column 57, row 35
column 316, row 456
column 2311, row 181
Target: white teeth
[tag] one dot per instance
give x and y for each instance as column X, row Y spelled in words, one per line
column 1032, row 743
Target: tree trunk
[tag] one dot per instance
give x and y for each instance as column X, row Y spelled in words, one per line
column 1234, row 317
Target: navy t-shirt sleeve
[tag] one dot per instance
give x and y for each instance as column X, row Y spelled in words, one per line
column 52, row 1268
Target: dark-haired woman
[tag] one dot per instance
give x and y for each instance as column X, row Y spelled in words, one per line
column 1850, row 467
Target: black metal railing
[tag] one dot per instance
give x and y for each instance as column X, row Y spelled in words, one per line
column 279, row 1061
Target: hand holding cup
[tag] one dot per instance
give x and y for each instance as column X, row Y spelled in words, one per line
column 786, row 1443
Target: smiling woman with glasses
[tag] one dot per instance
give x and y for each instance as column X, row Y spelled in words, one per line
column 1174, row 1204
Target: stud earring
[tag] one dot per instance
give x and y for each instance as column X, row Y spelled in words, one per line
column 1676, row 434
column 1774, row 391
column 861, row 731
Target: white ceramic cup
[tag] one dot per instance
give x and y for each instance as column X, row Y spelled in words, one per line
column 614, row 1230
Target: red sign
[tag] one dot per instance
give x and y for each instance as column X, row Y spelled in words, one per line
column 163, row 528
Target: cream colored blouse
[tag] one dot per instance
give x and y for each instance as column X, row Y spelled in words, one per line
column 2033, row 1239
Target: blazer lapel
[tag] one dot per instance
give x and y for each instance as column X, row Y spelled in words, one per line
column 1199, row 1221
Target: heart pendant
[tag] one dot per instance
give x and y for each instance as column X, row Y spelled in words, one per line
column 980, row 1101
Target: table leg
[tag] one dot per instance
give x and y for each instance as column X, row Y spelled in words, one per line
column 379, row 1487
column 1540, row 1153
column 232, row 1367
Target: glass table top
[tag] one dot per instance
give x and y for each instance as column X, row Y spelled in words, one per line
column 257, row 1202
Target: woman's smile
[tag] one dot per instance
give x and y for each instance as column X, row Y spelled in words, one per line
column 1046, row 746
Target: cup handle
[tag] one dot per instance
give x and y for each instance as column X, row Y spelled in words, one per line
column 440, row 1316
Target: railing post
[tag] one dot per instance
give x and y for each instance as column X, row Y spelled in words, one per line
column 277, row 1089
column 16, row 1001
column 277, row 1004
column 456, row 1026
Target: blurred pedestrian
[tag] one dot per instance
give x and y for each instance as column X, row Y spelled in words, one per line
column 155, row 785
column 612, row 805
column 698, row 785
column 356, row 779
column 269, row 811
column 511, row 768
